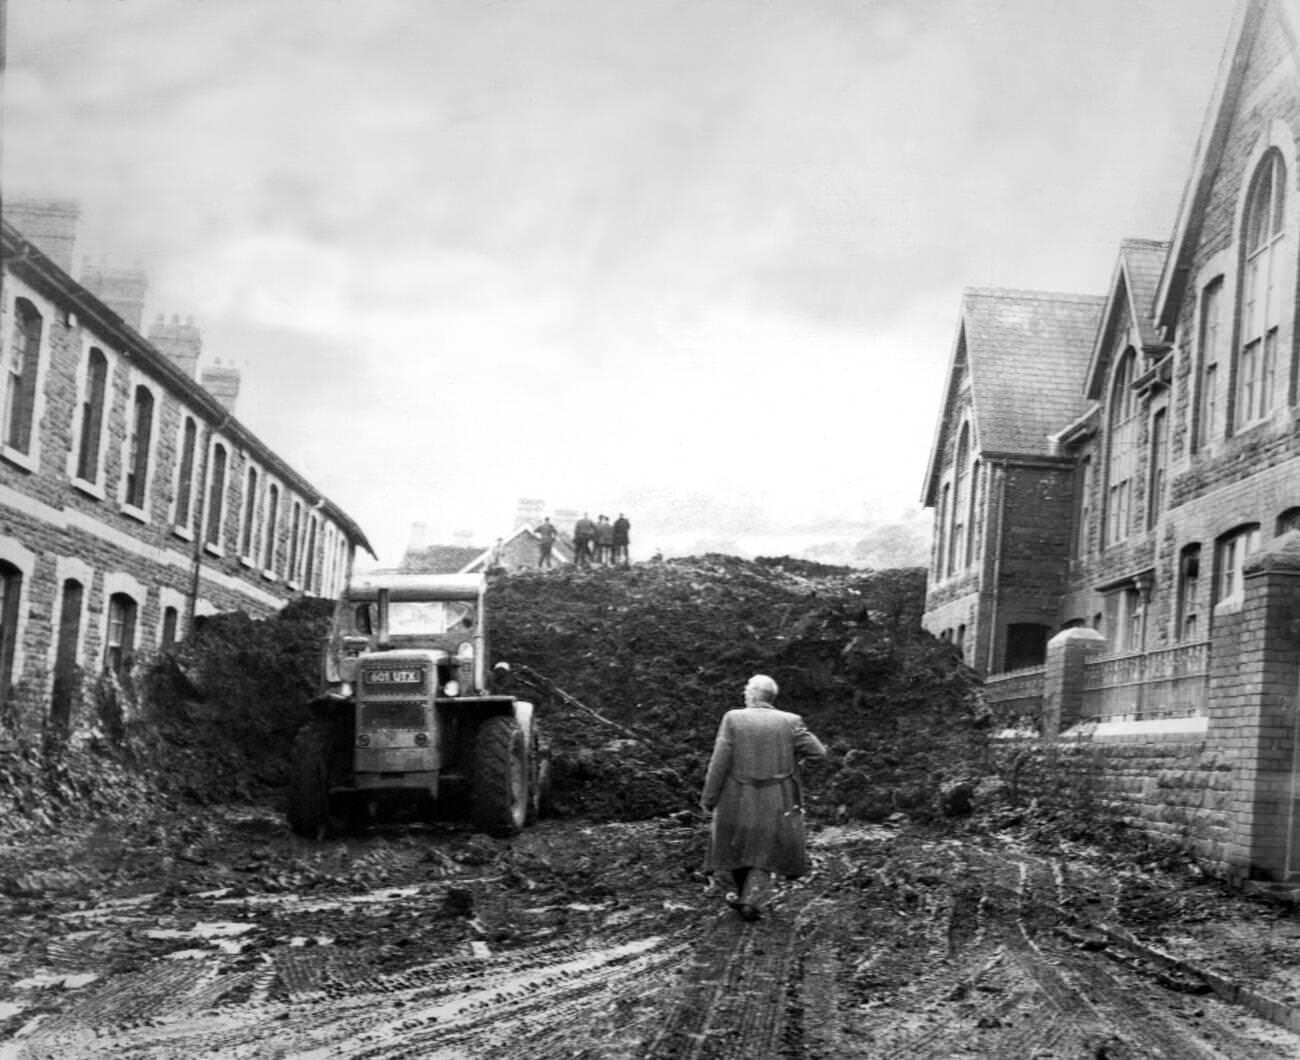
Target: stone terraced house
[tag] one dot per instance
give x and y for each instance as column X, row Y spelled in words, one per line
column 1115, row 480
column 131, row 498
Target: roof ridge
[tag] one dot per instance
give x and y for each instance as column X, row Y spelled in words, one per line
column 1032, row 295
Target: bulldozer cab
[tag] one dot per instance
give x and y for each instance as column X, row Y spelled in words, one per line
column 442, row 613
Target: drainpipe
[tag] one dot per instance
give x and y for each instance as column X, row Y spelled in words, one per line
column 995, row 535
column 200, row 512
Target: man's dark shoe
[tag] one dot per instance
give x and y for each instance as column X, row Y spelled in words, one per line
column 750, row 913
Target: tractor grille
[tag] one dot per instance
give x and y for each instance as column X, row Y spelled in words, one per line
column 393, row 715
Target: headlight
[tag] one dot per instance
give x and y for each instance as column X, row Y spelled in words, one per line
column 421, row 739
column 451, row 688
column 363, row 740
column 465, row 652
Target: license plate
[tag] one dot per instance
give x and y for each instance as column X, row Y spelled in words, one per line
column 394, row 677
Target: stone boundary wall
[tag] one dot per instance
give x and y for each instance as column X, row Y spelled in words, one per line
column 1172, row 787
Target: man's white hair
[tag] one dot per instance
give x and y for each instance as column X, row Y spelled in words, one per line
column 762, row 688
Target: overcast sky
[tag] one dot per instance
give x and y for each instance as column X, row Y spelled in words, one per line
column 696, row 260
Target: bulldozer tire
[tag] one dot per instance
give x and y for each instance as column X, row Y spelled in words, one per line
column 501, row 770
column 313, row 813
column 539, row 797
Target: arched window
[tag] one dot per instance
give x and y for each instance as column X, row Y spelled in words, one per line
column 252, row 497
column 65, row 653
column 1231, row 552
column 1189, row 582
column 1261, row 296
column 1122, row 439
column 295, row 544
column 137, row 465
column 941, row 527
column 272, row 528
column 185, row 472
column 21, row 364
column 92, row 416
column 119, row 645
column 973, row 523
column 1159, row 466
column 960, row 478
column 1289, row 520
column 216, row 496
column 11, row 586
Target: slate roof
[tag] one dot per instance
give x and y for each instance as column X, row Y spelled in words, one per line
column 1143, row 262
column 438, row 559
column 1028, row 352
column 1130, row 300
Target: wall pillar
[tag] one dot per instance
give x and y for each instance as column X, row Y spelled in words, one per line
column 1254, row 681
column 1063, row 677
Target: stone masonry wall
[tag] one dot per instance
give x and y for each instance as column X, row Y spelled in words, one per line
column 1171, row 788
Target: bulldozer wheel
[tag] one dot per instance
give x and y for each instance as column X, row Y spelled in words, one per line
column 539, row 797
column 500, row 792
column 313, row 812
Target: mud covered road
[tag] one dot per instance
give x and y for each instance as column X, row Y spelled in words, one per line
column 231, row 938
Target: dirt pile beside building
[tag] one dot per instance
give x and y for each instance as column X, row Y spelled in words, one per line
column 659, row 652
column 632, row 670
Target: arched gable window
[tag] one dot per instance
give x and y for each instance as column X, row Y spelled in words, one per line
column 1261, row 293
column 1122, row 439
column 21, row 364
column 960, row 482
column 973, row 523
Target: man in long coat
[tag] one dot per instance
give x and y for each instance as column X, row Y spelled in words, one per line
column 752, row 789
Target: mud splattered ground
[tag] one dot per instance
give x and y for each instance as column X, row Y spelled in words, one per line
column 225, row 936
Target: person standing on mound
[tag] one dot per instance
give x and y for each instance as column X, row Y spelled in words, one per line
column 752, row 790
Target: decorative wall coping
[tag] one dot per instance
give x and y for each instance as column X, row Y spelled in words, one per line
column 1129, row 728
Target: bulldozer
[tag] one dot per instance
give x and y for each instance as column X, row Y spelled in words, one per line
column 412, row 720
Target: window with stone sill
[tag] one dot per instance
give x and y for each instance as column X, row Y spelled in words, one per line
column 91, row 419
column 1189, row 585
column 1231, row 552
column 1122, row 440
column 216, row 511
column 186, row 455
column 22, row 360
column 135, row 486
column 1262, row 298
column 119, row 646
column 1209, row 350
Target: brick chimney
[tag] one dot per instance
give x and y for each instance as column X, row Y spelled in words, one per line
column 121, row 288
column 49, row 223
column 222, row 382
column 181, row 342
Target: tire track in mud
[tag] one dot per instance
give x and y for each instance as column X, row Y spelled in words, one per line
column 893, row 947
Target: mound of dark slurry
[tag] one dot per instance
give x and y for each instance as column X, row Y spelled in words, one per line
column 658, row 652
column 631, row 670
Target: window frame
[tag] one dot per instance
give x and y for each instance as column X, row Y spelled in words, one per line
column 93, row 409
column 215, row 496
column 1122, row 419
column 185, row 478
column 1261, row 289
column 138, row 464
column 20, row 384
